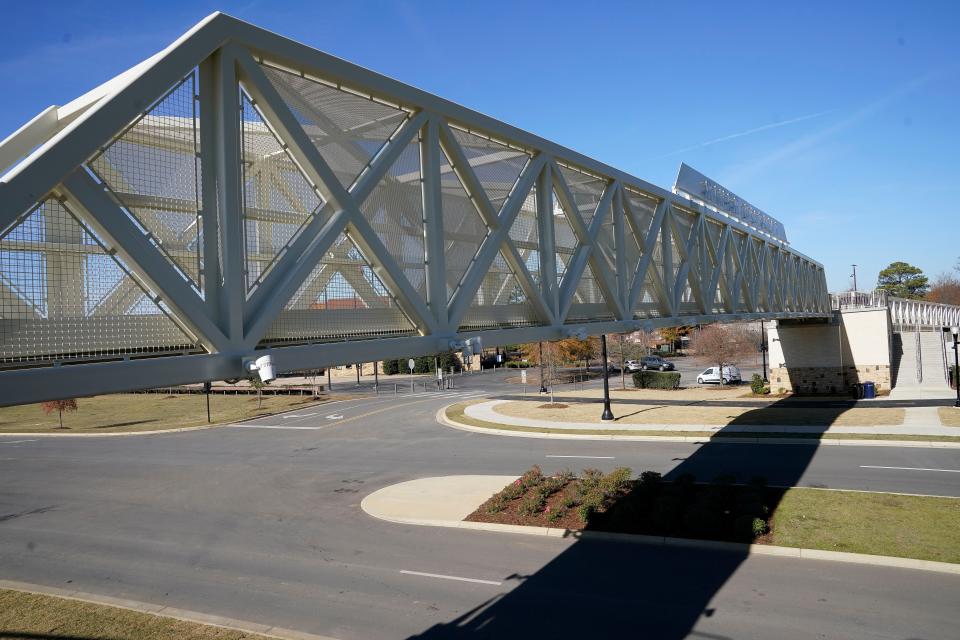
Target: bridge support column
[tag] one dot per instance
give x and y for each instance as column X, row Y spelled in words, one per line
column 827, row 356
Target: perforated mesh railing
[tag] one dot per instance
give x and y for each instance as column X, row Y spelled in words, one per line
column 586, row 189
column 463, row 228
column 565, row 241
column 341, row 299
column 525, row 234
column 278, row 200
column 395, row 211
column 499, row 302
column 64, row 297
column 348, row 129
column 496, row 164
column 153, row 170
column 589, row 303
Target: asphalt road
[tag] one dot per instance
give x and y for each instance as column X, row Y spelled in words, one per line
column 262, row 522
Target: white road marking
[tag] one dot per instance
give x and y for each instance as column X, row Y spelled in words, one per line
column 585, row 457
column 868, row 466
column 276, row 426
column 16, row 441
column 297, row 415
column 334, row 416
column 443, row 577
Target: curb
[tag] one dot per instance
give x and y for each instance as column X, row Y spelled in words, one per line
column 931, row 444
column 162, row 611
column 663, row 541
column 116, row 434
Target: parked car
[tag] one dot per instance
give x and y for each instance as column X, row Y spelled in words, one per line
column 731, row 374
column 632, row 365
column 655, row 362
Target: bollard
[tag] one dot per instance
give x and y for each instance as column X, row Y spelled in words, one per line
column 394, row 389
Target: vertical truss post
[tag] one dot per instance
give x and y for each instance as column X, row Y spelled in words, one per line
column 210, row 274
column 548, row 255
column 430, row 155
column 620, row 250
column 223, row 98
column 666, row 251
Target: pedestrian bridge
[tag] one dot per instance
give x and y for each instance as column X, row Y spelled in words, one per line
column 240, row 193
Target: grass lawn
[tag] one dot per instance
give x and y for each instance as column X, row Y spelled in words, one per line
column 949, row 416
column 456, row 413
column 662, row 414
column 30, row 615
column 876, row 523
column 142, row 412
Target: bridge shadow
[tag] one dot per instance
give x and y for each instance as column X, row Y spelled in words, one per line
column 607, row 589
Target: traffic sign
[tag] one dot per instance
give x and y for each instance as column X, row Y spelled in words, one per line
column 411, row 364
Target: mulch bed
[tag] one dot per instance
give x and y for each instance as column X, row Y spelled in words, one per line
column 720, row 510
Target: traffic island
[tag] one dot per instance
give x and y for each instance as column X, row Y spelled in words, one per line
column 486, row 416
column 844, row 526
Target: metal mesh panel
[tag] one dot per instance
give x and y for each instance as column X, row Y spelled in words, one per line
column 153, row 170
column 63, row 296
column 341, row 299
column 606, row 243
column 395, row 211
column 499, row 302
column 496, row 165
column 586, row 191
column 644, row 209
column 525, row 234
column 347, row 129
column 564, row 239
column 463, row 228
column 277, row 199
column 589, row 303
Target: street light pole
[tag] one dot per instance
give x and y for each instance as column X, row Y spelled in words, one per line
column 763, row 350
column 956, row 364
column 854, row 278
column 543, row 386
column 607, row 413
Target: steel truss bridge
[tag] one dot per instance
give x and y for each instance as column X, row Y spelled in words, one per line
column 240, row 192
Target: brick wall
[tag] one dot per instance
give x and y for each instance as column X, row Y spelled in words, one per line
column 825, row 380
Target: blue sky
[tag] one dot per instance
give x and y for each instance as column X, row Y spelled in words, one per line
column 842, row 119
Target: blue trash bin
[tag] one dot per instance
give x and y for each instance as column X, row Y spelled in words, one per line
column 869, row 391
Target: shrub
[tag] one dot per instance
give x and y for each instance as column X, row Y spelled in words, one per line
column 555, row 514
column 703, row 519
column 756, row 384
column 532, row 504
column 749, row 528
column 570, row 497
column 513, row 490
column 656, row 379
column 497, row 504
column 650, row 479
column 590, row 480
column 532, row 477
column 616, row 482
column 589, row 504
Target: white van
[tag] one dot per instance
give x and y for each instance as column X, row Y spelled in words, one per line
column 711, row 376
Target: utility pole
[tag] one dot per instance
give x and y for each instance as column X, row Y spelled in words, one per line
column 855, row 277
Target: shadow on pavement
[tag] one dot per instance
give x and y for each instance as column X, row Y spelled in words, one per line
column 605, row 589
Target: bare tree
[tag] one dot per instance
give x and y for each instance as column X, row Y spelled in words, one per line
column 257, row 384
column 722, row 344
column 59, row 406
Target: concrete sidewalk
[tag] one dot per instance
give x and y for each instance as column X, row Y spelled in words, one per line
column 916, row 422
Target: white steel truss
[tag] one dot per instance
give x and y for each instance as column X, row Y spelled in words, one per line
column 240, row 192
